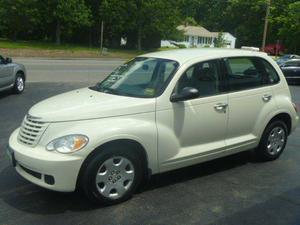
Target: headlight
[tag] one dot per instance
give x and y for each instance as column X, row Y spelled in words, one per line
column 68, row 144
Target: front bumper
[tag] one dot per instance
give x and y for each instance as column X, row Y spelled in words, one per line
column 50, row 170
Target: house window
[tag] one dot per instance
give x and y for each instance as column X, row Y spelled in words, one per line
column 186, row 38
column 199, row 40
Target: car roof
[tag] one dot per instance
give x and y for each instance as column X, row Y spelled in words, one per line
column 184, row 55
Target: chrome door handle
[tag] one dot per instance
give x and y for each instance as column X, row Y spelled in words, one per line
column 221, row 107
column 266, row 98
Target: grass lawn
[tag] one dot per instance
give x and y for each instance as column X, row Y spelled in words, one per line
column 45, row 49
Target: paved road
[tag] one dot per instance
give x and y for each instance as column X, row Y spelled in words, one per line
column 232, row 190
column 75, row 70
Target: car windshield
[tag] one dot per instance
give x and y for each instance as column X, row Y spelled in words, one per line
column 141, row 77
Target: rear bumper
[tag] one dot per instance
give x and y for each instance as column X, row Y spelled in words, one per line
column 47, row 169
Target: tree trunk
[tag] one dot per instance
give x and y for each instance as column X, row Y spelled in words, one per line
column 58, row 33
column 139, row 39
column 90, row 38
column 14, row 35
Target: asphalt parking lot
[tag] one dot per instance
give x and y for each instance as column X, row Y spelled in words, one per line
column 232, row 190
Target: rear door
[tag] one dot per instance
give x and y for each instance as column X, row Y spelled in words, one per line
column 249, row 99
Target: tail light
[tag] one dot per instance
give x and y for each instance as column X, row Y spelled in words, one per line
column 295, row 107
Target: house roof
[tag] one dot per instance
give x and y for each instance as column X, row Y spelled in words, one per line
column 195, row 31
column 199, row 31
column 184, row 55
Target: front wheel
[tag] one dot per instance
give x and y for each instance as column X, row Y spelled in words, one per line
column 19, row 84
column 273, row 141
column 112, row 176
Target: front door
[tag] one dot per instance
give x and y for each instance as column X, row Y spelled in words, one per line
column 196, row 127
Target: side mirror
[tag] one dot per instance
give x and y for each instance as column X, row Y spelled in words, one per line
column 8, row 60
column 186, row 93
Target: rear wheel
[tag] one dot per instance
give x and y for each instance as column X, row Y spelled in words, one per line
column 273, row 141
column 112, row 176
column 19, row 84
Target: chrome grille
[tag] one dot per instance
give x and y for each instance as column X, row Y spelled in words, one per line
column 31, row 130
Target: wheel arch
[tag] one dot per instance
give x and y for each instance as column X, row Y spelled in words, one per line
column 125, row 144
column 21, row 72
column 285, row 117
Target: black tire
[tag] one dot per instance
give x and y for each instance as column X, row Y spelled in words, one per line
column 88, row 176
column 262, row 151
column 17, row 87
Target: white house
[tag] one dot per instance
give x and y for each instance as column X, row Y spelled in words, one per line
column 197, row 36
column 228, row 38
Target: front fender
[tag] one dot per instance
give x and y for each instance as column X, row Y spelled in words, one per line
column 18, row 68
column 140, row 128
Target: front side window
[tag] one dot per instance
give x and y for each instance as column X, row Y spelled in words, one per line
column 204, row 76
column 141, row 77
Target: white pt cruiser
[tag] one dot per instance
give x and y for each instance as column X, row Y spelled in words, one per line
column 158, row 112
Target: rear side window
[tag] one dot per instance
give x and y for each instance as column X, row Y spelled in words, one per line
column 249, row 72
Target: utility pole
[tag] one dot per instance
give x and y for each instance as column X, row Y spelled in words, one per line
column 101, row 35
column 266, row 25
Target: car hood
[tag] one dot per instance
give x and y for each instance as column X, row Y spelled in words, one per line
column 85, row 104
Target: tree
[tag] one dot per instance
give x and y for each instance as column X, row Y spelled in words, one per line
column 220, row 41
column 140, row 19
column 18, row 16
column 66, row 15
column 190, row 21
column 145, row 22
column 95, row 21
column 287, row 24
column 243, row 19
